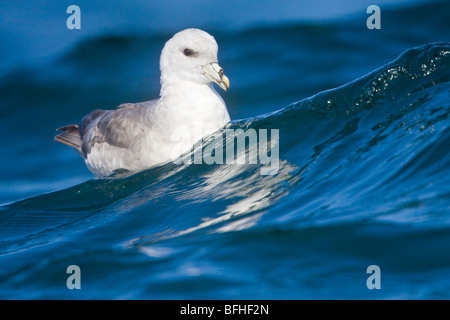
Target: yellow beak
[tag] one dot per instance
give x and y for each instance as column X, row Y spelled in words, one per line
column 215, row 73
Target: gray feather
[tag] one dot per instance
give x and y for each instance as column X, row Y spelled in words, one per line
column 118, row 128
column 70, row 136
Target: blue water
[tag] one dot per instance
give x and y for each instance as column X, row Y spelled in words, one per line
column 363, row 179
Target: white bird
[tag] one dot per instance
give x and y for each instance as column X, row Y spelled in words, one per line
column 137, row 136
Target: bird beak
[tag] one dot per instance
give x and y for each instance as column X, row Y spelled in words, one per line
column 215, row 73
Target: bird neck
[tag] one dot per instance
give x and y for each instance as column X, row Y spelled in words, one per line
column 171, row 85
column 188, row 102
column 190, row 96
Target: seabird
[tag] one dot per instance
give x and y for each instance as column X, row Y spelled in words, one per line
column 138, row 136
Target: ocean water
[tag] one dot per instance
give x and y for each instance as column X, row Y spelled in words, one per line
column 363, row 179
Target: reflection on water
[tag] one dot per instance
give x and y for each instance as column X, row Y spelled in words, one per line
column 247, row 191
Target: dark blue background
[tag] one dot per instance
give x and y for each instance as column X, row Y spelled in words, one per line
column 300, row 239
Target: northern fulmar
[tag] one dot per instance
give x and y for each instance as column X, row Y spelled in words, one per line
column 138, row 136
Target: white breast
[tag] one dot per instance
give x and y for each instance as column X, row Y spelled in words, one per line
column 178, row 120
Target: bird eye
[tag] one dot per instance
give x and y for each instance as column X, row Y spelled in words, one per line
column 187, row 52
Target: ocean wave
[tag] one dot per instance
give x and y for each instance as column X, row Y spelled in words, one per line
column 356, row 149
column 362, row 164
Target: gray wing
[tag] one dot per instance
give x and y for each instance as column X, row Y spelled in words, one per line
column 71, row 137
column 117, row 127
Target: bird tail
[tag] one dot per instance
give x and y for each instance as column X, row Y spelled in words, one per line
column 71, row 137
